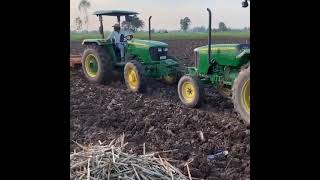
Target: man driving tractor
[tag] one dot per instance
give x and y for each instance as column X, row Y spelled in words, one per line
column 117, row 37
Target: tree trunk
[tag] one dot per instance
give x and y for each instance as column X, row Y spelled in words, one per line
column 87, row 27
column 87, row 21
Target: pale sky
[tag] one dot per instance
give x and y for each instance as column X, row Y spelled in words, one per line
column 166, row 14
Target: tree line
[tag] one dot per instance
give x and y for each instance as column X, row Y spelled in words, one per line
column 185, row 24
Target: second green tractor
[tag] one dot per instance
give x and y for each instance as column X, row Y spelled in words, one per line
column 224, row 66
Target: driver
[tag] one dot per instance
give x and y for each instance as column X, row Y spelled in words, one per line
column 118, row 40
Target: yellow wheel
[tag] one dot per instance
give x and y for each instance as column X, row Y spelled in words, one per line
column 190, row 93
column 245, row 96
column 96, row 65
column 170, row 79
column 91, row 65
column 241, row 94
column 133, row 75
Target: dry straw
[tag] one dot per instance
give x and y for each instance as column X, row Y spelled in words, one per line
column 111, row 162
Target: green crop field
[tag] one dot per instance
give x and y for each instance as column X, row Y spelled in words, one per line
column 167, row 36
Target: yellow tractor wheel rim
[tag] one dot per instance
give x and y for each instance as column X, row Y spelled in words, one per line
column 91, row 65
column 132, row 78
column 245, row 96
column 169, row 78
column 188, row 91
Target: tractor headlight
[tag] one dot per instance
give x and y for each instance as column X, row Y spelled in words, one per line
column 165, row 49
column 159, row 49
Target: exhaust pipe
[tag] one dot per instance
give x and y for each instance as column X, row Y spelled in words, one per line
column 150, row 27
column 209, row 38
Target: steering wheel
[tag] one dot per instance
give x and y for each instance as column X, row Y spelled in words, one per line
column 127, row 38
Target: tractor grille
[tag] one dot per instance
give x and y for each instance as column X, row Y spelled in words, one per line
column 156, row 55
column 196, row 58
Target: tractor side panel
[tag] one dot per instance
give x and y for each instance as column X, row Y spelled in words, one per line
column 203, row 64
column 225, row 56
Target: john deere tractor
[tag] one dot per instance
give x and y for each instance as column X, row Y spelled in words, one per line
column 224, row 66
column 101, row 60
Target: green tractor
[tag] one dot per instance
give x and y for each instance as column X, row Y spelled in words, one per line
column 224, row 66
column 101, row 60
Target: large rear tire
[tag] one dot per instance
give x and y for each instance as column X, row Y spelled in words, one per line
column 134, row 76
column 97, row 65
column 190, row 91
column 241, row 94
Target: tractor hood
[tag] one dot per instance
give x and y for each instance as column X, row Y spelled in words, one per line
column 218, row 48
column 238, row 50
column 147, row 43
column 226, row 54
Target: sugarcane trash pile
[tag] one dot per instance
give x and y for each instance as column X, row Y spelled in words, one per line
column 111, row 162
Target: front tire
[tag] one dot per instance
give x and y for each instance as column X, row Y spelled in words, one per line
column 241, row 94
column 190, row 91
column 97, row 65
column 134, row 76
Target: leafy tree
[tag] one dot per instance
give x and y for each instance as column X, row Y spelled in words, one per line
column 78, row 23
column 83, row 6
column 185, row 23
column 222, row 26
column 133, row 25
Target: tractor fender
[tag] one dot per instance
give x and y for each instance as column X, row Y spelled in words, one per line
column 244, row 52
